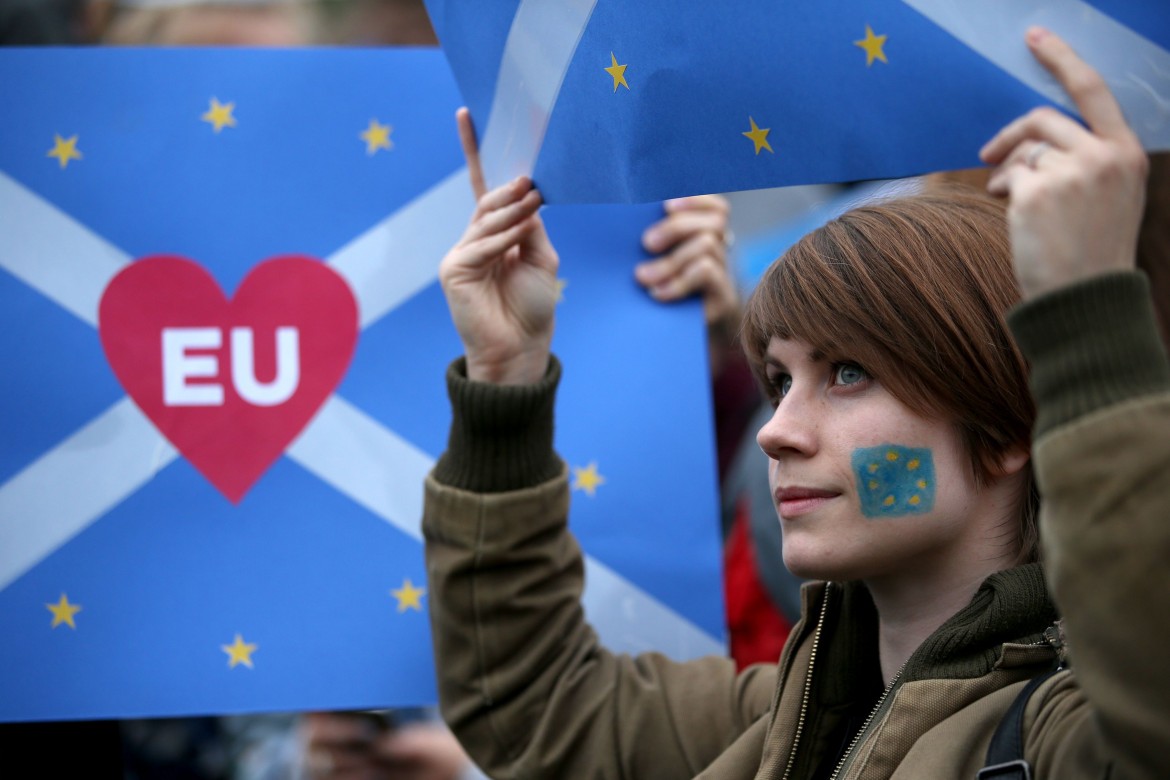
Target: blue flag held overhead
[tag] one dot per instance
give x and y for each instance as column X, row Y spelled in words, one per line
column 224, row 349
column 614, row 102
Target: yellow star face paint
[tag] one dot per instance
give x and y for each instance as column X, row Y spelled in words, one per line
column 893, row 481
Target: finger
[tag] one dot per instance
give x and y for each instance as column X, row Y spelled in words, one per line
column 471, row 152
column 1084, row 85
column 698, row 202
column 661, row 270
column 489, row 247
column 681, row 226
column 504, row 217
column 1043, row 123
column 702, row 277
column 1004, row 178
column 705, row 278
column 537, row 240
column 1022, row 165
column 502, row 196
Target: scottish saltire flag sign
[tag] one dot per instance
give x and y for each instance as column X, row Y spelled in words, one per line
column 615, row 101
column 224, row 349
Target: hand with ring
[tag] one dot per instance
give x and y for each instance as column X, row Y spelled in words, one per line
column 1075, row 193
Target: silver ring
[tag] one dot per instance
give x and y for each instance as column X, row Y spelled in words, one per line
column 728, row 238
column 1033, row 155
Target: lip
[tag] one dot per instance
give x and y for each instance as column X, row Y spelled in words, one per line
column 795, row 501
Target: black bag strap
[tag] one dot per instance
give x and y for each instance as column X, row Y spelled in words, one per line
column 1005, row 754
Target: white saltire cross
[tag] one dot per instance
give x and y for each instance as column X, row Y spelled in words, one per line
column 104, row 462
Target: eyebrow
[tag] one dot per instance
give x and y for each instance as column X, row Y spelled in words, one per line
column 814, row 355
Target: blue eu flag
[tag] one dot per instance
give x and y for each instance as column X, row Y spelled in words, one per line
column 612, row 101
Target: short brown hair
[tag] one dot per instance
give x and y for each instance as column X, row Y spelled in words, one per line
column 915, row 290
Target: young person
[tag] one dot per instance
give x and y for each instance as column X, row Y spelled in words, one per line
column 901, row 465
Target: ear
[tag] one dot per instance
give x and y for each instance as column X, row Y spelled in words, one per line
column 1013, row 460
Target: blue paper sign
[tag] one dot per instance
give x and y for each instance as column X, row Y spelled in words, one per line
column 608, row 101
column 224, row 350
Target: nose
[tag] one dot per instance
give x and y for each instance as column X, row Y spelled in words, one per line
column 792, row 429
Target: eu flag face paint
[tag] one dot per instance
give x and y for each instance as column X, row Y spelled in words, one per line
column 894, row 481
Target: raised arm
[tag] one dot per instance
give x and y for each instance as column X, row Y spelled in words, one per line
column 523, row 681
column 1102, row 440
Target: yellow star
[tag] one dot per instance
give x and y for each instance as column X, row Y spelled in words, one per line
column 587, row 479
column 63, row 612
column 239, row 652
column 377, row 137
column 759, row 136
column 873, row 47
column 409, row 597
column 618, row 72
column 220, row 115
column 64, row 149
column 561, row 285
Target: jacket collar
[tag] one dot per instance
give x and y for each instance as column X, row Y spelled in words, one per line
column 1011, row 606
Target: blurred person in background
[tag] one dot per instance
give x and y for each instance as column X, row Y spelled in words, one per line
column 44, row 22
column 204, row 22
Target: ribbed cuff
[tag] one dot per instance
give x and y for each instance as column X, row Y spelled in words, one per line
column 1091, row 345
column 501, row 435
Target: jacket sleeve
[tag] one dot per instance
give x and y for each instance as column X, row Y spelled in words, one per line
column 523, row 680
column 1102, row 457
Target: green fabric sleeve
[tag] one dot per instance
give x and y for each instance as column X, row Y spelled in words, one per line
column 1090, row 345
column 501, row 435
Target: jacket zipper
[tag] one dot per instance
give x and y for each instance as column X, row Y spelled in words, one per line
column 873, row 714
column 812, row 659
column 864, row 726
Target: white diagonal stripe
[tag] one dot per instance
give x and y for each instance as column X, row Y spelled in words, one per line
column 81, row 265
column 400, row 255
column 361, row 459
column 59, row 495
column 1136, row 69
column 121, row 450
column 75, row 277
column 370, row 464
column 537, row 54
column 629, row 620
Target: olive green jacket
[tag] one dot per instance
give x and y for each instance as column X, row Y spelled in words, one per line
column 531, row 693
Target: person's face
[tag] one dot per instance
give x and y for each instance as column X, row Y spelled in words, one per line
column 865, row 488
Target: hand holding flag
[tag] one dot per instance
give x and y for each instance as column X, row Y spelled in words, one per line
column 692, row 242
column 500, row 279
column 602, row 101
column 1076, row 193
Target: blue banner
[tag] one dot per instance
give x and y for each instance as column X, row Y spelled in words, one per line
column 224, row 350
column 609, row 101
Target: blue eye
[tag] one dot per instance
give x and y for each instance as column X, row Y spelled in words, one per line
column 849, row 374
column 779, row 384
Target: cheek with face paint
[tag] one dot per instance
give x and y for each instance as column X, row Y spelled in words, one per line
column 894, row 481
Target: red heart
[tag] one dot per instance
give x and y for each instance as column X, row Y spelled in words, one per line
column 180, row 349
